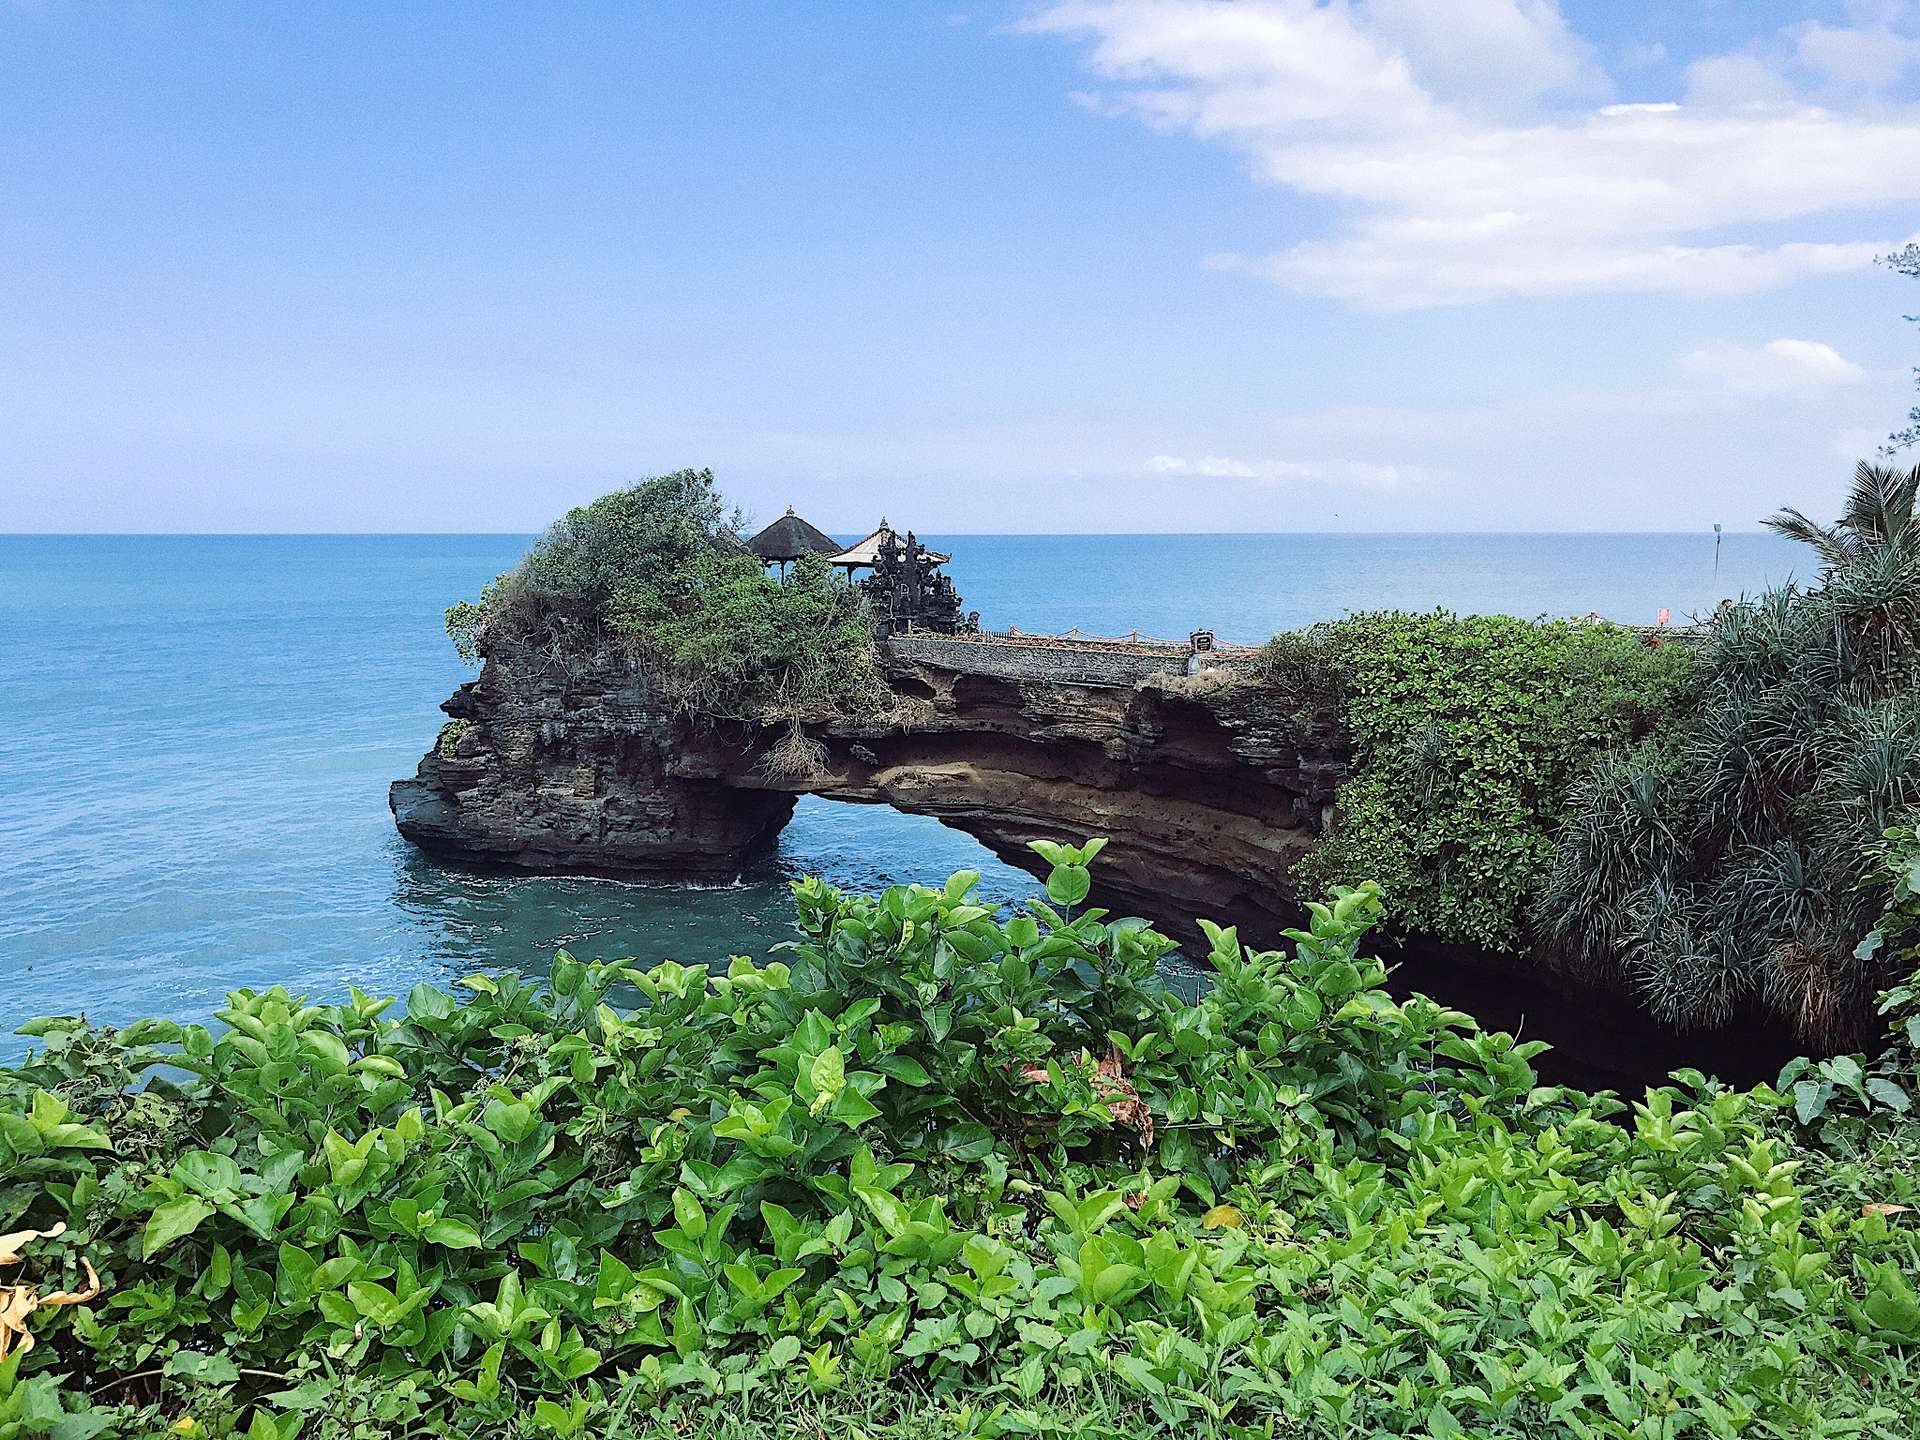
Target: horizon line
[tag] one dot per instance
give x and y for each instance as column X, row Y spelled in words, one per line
column 963, row 534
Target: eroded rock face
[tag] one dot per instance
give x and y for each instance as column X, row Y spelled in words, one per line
column 581, row 771
column 1206, row 793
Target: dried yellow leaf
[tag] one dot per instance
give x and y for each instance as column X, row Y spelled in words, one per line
column 1223, row 1217
column 76, row 1297
column 10, row 1244
column 17, row 1302
column 1881, row 1208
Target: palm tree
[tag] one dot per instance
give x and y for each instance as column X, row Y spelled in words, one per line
column 1727, row 862
column 1879, row 515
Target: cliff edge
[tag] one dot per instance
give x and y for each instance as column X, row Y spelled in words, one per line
column 1208, row 790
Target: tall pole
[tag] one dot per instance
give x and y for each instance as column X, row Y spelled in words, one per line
column 1716, row 553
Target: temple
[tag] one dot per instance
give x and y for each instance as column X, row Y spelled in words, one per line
column 906, row 587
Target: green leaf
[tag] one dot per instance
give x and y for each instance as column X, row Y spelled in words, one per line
column 1810, row 1100
column 852, row 1109
column 214, row 1177
column 1068, row 884
column 88, row 1423
column 454, row 1234
column 828, row 1072
column 1889, row 1093
column 1115, row 1280
column 1891, row 1305
column 512, row 1121
column 687, row 1212
column 428, row 1006
column 1843, row 1070
column 828, row 1076
column 904, row 1068
column 173, row 1221
column 207, row 1369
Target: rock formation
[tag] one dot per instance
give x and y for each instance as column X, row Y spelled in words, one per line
column 1207, row 791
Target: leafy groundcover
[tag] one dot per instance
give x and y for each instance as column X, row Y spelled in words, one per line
column 937, row 1170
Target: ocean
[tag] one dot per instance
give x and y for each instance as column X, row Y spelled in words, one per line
column 197, row 734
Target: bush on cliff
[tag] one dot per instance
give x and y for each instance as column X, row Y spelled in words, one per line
column 656, row 570
column 1729, row 860
column 982, row 1164
column 1467, row 733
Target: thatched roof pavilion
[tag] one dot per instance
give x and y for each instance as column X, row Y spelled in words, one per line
column 862, row 554
column 790, row 537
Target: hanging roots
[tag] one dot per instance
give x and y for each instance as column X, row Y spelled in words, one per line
column 796, row 758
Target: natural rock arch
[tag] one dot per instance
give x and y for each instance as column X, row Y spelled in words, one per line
column 1206, row 795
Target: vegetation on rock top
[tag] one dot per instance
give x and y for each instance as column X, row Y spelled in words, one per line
column 985, row 1161
column 1730, row 859
column 656, row 570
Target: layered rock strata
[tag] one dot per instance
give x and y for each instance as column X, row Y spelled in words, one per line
column 1206, row 793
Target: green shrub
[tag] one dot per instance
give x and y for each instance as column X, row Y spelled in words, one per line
column 1467, row 733
column 1728, row 863
column 1297, row 668
column 933, row 1150
column 447, row 742
column 655, row 570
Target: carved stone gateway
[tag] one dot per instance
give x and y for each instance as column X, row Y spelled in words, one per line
column 908, row 590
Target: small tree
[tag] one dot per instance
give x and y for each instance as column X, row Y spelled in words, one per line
column 1905, row 262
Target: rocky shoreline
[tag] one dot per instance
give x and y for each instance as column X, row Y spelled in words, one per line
column 1206, row 794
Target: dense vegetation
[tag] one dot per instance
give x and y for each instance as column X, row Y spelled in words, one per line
column 1693, row 823
column 1468, row 732
column 1467, row 736
column 984, row 1159
column 1727, row 860
column 657, row 570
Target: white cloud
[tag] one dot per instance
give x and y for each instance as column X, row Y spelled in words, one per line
column 1489, row 55
column 1867, row 58
column 1373, row 105
column 1335, row 472
column 1777, row 368
column 1731, row 81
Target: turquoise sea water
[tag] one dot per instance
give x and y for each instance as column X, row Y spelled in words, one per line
column 197, row 733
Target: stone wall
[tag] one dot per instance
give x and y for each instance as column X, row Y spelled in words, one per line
column 1061, row 662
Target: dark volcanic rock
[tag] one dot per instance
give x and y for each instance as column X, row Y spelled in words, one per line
column 580, row 771
column 1206, row 794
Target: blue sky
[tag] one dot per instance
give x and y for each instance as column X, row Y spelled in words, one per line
column 1146, row 265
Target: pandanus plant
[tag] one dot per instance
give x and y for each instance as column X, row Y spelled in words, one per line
column 1726, row 862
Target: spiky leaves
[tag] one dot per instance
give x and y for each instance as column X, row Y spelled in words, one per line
column 1725, row 864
